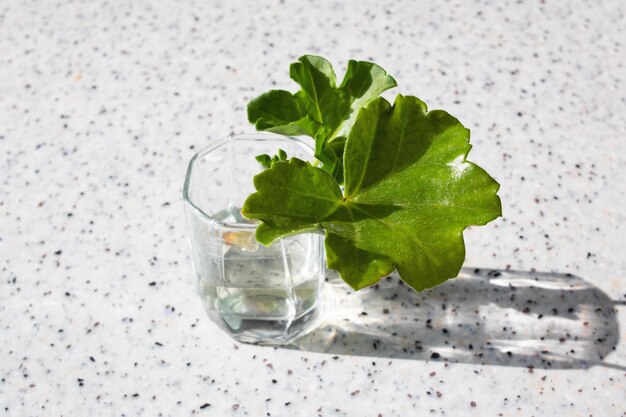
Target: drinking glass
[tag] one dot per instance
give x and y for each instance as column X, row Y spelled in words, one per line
column 257, row 294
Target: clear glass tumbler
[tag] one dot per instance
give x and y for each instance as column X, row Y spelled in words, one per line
column 257, row 294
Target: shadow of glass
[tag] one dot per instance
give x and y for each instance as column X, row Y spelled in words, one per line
column 488, row 317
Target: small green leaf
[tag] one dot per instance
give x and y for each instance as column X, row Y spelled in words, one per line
column 280, row 112
column 409, row 194
column 364, row 81
column 320, row 98
column 268, row 161
column 264, row 160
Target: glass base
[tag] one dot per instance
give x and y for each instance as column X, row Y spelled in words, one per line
column 264, row 330
column 265, row 295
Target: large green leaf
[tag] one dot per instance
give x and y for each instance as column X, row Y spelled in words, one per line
column 409, row 194
column 320, row 109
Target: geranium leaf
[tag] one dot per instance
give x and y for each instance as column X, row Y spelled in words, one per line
column 409, row 194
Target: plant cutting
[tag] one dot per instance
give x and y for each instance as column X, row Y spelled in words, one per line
column 390, row 187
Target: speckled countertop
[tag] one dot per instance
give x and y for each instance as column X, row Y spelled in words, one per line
column 102, row 103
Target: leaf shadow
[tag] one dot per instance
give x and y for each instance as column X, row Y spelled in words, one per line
column 487, row 317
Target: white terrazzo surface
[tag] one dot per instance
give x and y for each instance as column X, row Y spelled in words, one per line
column 102, row 103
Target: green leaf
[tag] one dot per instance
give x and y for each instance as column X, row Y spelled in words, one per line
column 280, row 112
column 266, row 161
column 409, row 194
column 331, row 156
column 291, row 197
column 320, row 109
column 359, row 268
column 319, row 97
column 364, row 81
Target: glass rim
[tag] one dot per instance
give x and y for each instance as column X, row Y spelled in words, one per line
column 216, row 143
